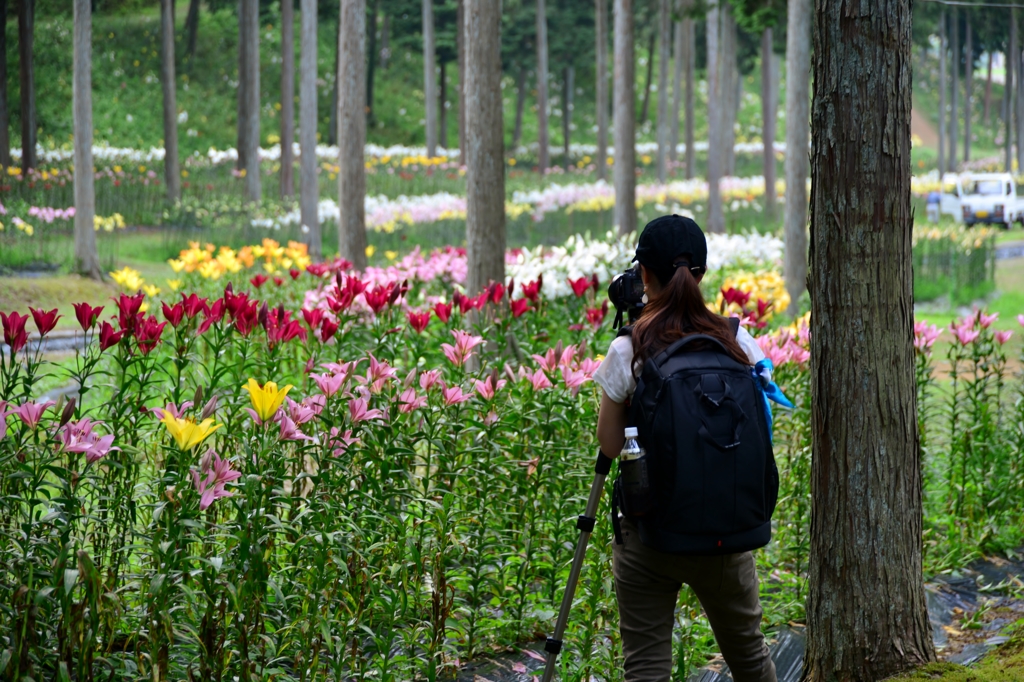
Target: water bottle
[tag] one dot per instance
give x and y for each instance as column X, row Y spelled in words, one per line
column 636, row 482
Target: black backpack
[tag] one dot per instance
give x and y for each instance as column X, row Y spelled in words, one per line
column 700, row 415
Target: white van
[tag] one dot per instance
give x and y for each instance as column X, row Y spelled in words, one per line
column 982, row 198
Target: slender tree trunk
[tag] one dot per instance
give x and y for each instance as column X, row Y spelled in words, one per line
column 798, row 130
column 568, row 76
column 429, row 78
column 730, row 88
column 943, row 86
column 287, row 98
column 1018, row 103
column 191, row 30
column 601, row 86
column 517, row 131
column 769, row 109
column 5, row 113
column 442, row 103
column 309, row 188
column 968, row 86
column 689, row 37
column 866, row 615
column 242, row 145
column 352, row 133
column 664, row 57
column 485, row 163
column 645, row 107
column 954, row 113
column 172, row 176
column 87, row 261
column 371, row 63
column 332, row 131
column 1008, row 89
column 542, row 87
column 716, row 122
column 385, row 41
column 677, row 88
column 988, row 90
column 26, row 31
column 625, row 118
column 460, row 49
column 252, row 101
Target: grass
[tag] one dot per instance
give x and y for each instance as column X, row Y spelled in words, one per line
column 46, row 293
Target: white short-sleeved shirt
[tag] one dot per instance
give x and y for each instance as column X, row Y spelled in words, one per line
column 615, row 375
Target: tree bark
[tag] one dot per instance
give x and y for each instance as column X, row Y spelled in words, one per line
column 645, row 107
column 5, row 113
column 371, row 63
column 730, row 87
column 678, row 48
column 954, row 114
column 172, row 175
column 968, row 86
column 568, row 76
column 517, row 131
column 866, row 615
column 988, row 90
column 542, row 87
column 1008, row 88
column 332, row 128
column 1018, row 102
column 309, row 189
column 87, row 261
column 442, row 104
column 689, row 37
column 664, row 59
column 943, row 86
column 385, row 41
column 798, row 83
column 625, row 119
column 429, row 78
column 252, row 101
column 287, row 99
column 191, row 30
column 601, row 86
column 460, row 49
column 352, row 133
column 242, row 145
column 26, row 30
column 769, row 112
column 485, row 163
column 716, row 123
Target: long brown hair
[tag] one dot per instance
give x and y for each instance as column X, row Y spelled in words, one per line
column 677, row 311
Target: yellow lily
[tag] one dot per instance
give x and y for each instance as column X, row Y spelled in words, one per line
column 186, row 432
column 266, row 399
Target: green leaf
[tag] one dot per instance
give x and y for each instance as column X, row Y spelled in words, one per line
column 70, row 578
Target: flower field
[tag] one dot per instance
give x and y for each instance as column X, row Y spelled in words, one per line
column 274, row 468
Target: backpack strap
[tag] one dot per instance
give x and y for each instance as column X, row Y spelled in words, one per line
column 625, row 331
column 734, row 324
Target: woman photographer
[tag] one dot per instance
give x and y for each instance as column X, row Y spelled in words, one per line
column 672, row 254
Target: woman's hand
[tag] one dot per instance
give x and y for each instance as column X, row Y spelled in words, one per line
column 611, row 426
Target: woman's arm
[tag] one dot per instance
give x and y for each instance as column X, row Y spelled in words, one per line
column 611, row 426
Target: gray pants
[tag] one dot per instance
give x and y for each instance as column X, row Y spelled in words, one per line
column 647, row 584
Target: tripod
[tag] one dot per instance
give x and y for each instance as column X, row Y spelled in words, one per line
column 585, row 524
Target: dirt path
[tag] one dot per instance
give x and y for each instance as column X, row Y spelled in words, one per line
column 923, row 128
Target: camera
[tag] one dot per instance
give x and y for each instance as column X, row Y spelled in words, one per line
column 626, row 292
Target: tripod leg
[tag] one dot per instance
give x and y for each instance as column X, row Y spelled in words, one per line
column 585, row 524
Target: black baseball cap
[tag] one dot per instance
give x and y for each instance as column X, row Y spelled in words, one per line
column 666, row 238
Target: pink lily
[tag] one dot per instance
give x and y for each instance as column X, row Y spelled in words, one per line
column 488, row 388
column 172, row 409
column 429, row 379
column 339, row 442
column 379, row 371
column 328, row 383
column 986, row 320
column 1020, row 319
column 300, row 413
column 358, row 410
column 454, row 395
column 3, row 418
column 589, row 365
column 491, row 418
column 464, row 345
column 549, row 361
column 79, row 437
column 925, row 335
column 315, row 403
column 965, row 335
column 1003, row 337
column 539, row 380
column 218, row 474
column 566, row 360
column 289, row 431
column 31, row 412
column 342, row 368
column 573, row 380
column 797, row 353
column 409, row 401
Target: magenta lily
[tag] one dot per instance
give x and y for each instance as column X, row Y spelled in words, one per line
column 31, row 412
column 80, row 437
column 218, row 474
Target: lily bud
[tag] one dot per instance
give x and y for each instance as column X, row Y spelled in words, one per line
column 198, row 399
column 209, row 408
column 68, row 413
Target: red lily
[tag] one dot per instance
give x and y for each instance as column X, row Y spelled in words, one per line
column 443, row 311
column 734, row 295
column 378, row 297
column 418, row 321
column 294, row 273
column 214, row 314
column 464, row 302
column 595, row 282
column 532, row 290
column 595, row 316
column 327, row 330
column 45, row 322
column 108, row 337
column 87, row 315
column 174, row 314
column 278, row 281
column 14, row 331
column 579, row 286
column 313, row 317
column 148, row 334
column 258, row 280
column 495, row 292
column 128, row 310
column 246, row 318
column 194, row 305
column 520, row 306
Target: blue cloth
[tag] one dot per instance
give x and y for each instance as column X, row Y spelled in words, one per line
column 762, row 372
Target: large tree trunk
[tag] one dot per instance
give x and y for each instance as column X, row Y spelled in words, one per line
column 371, row 63
column 517, row 131
column 87, row 261
column 689, row 38
column 5, row 113
column 988, row 90
column 191, row 30
column 798, row 129
column 664, row 59
column 542, row 87
column 769, row 111
column 1008, row 100
column 26, row 30
column 954, row 114
column 716, row 118
column 943, row 86
column 442, row 103
column 568, row 76
column 460, row 49
column 645, row 107
column 601, row 86
column 332, row 128
column 485, row 163
column 731, row 85
column 352, row 133
column 172, row 176
column 678, row 59
column 866, row 615
column 309, row 189
column 252, row 100
column 287, row 98
column 1018, row 101
column 242, row 144
column 625, row 119
column 968, row 86
column 429, row 78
